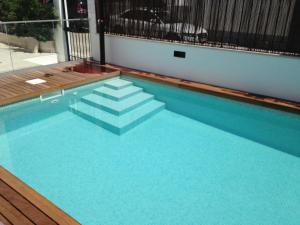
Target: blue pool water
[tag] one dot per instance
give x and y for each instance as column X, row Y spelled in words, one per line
column 199, row 160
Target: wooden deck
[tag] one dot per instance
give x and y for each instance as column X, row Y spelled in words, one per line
column 21, row 205
column 13, row 86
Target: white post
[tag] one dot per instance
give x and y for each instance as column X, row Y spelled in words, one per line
column 59, row 34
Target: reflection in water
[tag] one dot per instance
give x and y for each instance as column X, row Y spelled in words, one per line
column 87, row 67
column 5, row 155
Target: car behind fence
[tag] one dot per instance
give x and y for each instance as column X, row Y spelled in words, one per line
column 254, row 25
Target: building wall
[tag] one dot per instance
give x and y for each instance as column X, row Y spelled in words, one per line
column 276, row 76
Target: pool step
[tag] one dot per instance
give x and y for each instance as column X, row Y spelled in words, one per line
column 114, row 123
column 117, row 95
column 117, row 106
column 117, row 84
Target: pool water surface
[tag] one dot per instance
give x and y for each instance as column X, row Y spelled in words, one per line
column 200, row 160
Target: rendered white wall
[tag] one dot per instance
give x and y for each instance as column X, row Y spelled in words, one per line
column 276, row 76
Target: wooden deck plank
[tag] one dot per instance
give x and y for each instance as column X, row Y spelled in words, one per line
column 12, row 214
column 4, row 221
column 20, row 203
column 40, row 202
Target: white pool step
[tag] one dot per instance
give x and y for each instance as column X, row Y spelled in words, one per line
column 117, row 95
column 117, row 84
column 118, row 106
column 117, row 124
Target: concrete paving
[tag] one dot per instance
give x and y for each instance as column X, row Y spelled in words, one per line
column 14, row 58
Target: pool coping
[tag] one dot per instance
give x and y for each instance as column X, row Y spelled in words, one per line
column 267, row 101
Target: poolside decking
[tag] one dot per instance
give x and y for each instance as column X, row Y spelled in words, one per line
column 21, row 205
column 13, row 86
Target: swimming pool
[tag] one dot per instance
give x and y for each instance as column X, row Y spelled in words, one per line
column 192, row 158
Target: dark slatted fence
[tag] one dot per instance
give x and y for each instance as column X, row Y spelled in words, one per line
column 254, row 25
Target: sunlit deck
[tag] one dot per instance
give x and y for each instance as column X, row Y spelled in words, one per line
column 21, row 205
column 13, row 86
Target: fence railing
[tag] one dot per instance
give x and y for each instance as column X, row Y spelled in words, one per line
column 255, row 25
column 78, row 35
column 25, row 44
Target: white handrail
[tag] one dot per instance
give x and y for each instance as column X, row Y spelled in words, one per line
column 62, row 93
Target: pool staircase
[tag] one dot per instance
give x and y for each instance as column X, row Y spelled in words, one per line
column 117, row 106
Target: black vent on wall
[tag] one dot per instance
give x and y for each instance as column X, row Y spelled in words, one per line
column 179, row 54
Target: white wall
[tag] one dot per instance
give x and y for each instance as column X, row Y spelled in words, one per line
column 276, row 76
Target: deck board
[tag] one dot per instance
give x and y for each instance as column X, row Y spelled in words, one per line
column 4, row 221
column 23, row 205
column 12, row 214
column 13, row 86
column 20, row 204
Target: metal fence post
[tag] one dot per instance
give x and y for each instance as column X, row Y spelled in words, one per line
column 65, row 28
column 101, row 28
column 294, row 34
